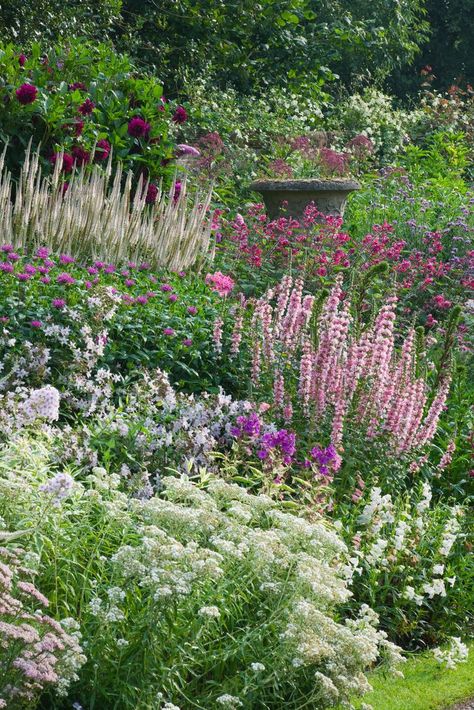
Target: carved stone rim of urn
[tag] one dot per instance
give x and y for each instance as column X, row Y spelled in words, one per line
column 329, row 196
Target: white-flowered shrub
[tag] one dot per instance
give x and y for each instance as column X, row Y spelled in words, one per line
column 407, row 555
column 208, row 593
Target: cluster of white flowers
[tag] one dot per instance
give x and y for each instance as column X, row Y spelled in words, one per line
column 372, row 114
column 391, row 539
column 457, row 652
column 43, row 403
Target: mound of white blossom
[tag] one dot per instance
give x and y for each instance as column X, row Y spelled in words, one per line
column 203, row 591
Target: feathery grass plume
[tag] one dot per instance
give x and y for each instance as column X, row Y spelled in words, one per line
column 103, row 217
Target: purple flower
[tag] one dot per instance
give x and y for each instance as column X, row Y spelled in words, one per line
column 138, row 128
column 168, row 331
column 58, row 303
column 6, row 267
column 99, row 264
column 187, row 342
column 26, row 94
column 173, row 298
column 45, row 280
column 23, row 277
column 30, row 269
column 142, row 300
column 151, row 194
column 6, row 248
column 22, row 60
column 88, row 284
column 180, row 115
column 166, row 287
column 129, row 282
column 87, row 107
column 323, row 457
column 247, row 426
column 192, row 310
column 66, row 259
column 66, row 279
column 36, row 324
column 42, row 253
column 92, row 270
column 13, row 256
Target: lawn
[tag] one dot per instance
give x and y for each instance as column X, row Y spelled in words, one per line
column 426, row 685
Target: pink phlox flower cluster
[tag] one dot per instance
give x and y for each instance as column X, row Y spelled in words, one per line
column 221, row 283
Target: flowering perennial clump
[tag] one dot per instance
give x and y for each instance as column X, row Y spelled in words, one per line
column 340, row 372
column 37, row 651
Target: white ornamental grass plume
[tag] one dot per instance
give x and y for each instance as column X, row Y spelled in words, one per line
column 103, row 218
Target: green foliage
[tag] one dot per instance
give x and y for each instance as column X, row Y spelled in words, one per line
column 52, row 120
column 51, row 20
column 299, row 43
column 424, row 685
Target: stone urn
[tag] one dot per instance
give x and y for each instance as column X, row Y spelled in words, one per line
column 329, row 196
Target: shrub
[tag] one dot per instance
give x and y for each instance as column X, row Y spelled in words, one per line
column 87, row 97
column 237, row 600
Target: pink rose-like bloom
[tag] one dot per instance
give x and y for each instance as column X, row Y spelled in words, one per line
column 22, row 60
column 58, row 303
column 67, row 164
column 138, row 128
column 151, row 194
column 103, row 149
column 192, row 310
column 168, row 331
column 220, row 282
column 87, row 107
column 36, row 324
column 26, row 94
column 180, row 115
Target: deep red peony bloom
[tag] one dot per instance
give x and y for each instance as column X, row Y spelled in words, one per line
column 180, row 115
column 68, row 162
column 26, row 94
column 138, row 128
column 102, row 150
column 151, row 194
column 87, row 107
column 80, row 156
